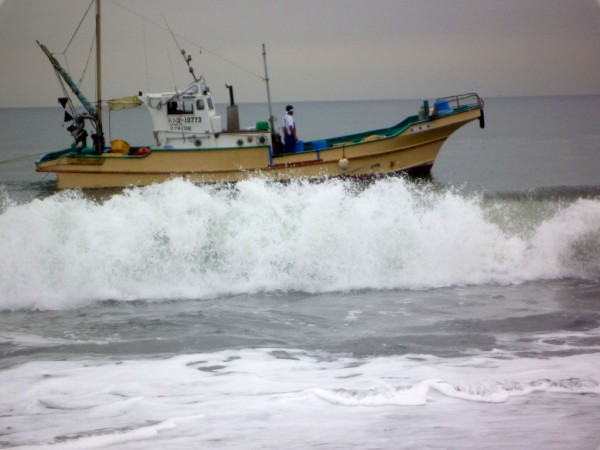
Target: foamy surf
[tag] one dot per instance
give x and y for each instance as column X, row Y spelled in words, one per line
column 178, row 240
column 94, row 404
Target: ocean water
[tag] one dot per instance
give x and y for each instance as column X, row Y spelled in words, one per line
column 456, row 312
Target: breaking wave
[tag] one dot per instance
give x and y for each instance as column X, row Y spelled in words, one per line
column 178, row 240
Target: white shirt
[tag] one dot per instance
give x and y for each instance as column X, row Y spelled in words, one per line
column 288, row 123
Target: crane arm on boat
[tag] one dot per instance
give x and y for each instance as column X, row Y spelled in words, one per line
column 67, row 78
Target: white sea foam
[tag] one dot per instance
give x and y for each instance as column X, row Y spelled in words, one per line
column 272, row 398
column 178, row 240
column 35, row 340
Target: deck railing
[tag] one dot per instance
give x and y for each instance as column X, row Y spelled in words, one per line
column 460, row 102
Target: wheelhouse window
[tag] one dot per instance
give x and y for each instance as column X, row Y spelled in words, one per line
column 199, row 105
column 210, row 103
column 180, row 106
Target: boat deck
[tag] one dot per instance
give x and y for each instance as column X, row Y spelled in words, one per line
column 452, row 106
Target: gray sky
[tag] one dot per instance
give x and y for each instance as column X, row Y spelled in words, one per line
column 317, row 49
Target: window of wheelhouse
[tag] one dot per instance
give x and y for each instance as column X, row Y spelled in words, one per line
column 199, row 105
column 210, row 103
column 180, row 106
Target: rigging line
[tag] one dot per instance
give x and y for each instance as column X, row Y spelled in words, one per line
column 87, row 63
column 174, row 38
column 79, row 26
column 21, row 158
column 145, row 54
column 172, row 71
column 64, row 55
column 65, row 92
column 189, row 41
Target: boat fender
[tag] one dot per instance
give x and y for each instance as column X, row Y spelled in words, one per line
column 481, row 120
column 344, row 163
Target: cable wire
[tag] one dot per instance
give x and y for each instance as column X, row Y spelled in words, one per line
column 79, row 26
column 203, row 49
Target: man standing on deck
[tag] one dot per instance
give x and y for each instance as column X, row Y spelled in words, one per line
column 289, row 130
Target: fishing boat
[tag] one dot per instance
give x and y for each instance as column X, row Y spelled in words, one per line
column 191, row 142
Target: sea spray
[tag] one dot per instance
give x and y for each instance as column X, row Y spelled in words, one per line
column 178, row 240
column 570, row 240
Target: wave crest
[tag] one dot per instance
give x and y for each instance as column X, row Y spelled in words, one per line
column 178, row 241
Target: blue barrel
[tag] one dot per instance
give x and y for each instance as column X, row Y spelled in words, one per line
column 319, row 145
column 443, row 106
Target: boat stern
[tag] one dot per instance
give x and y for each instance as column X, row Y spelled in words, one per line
column 50, row 159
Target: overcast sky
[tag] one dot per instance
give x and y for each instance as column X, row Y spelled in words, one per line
column 316, row 49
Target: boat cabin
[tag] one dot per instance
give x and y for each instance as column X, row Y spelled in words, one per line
column 184, row 119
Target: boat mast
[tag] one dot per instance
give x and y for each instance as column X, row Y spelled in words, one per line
column 99, row 141
column 271, row 120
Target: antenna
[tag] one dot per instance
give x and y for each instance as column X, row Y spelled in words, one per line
column 266, row 78
column 186, row 57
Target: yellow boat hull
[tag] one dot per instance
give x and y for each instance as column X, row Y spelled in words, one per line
column 414, row 149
